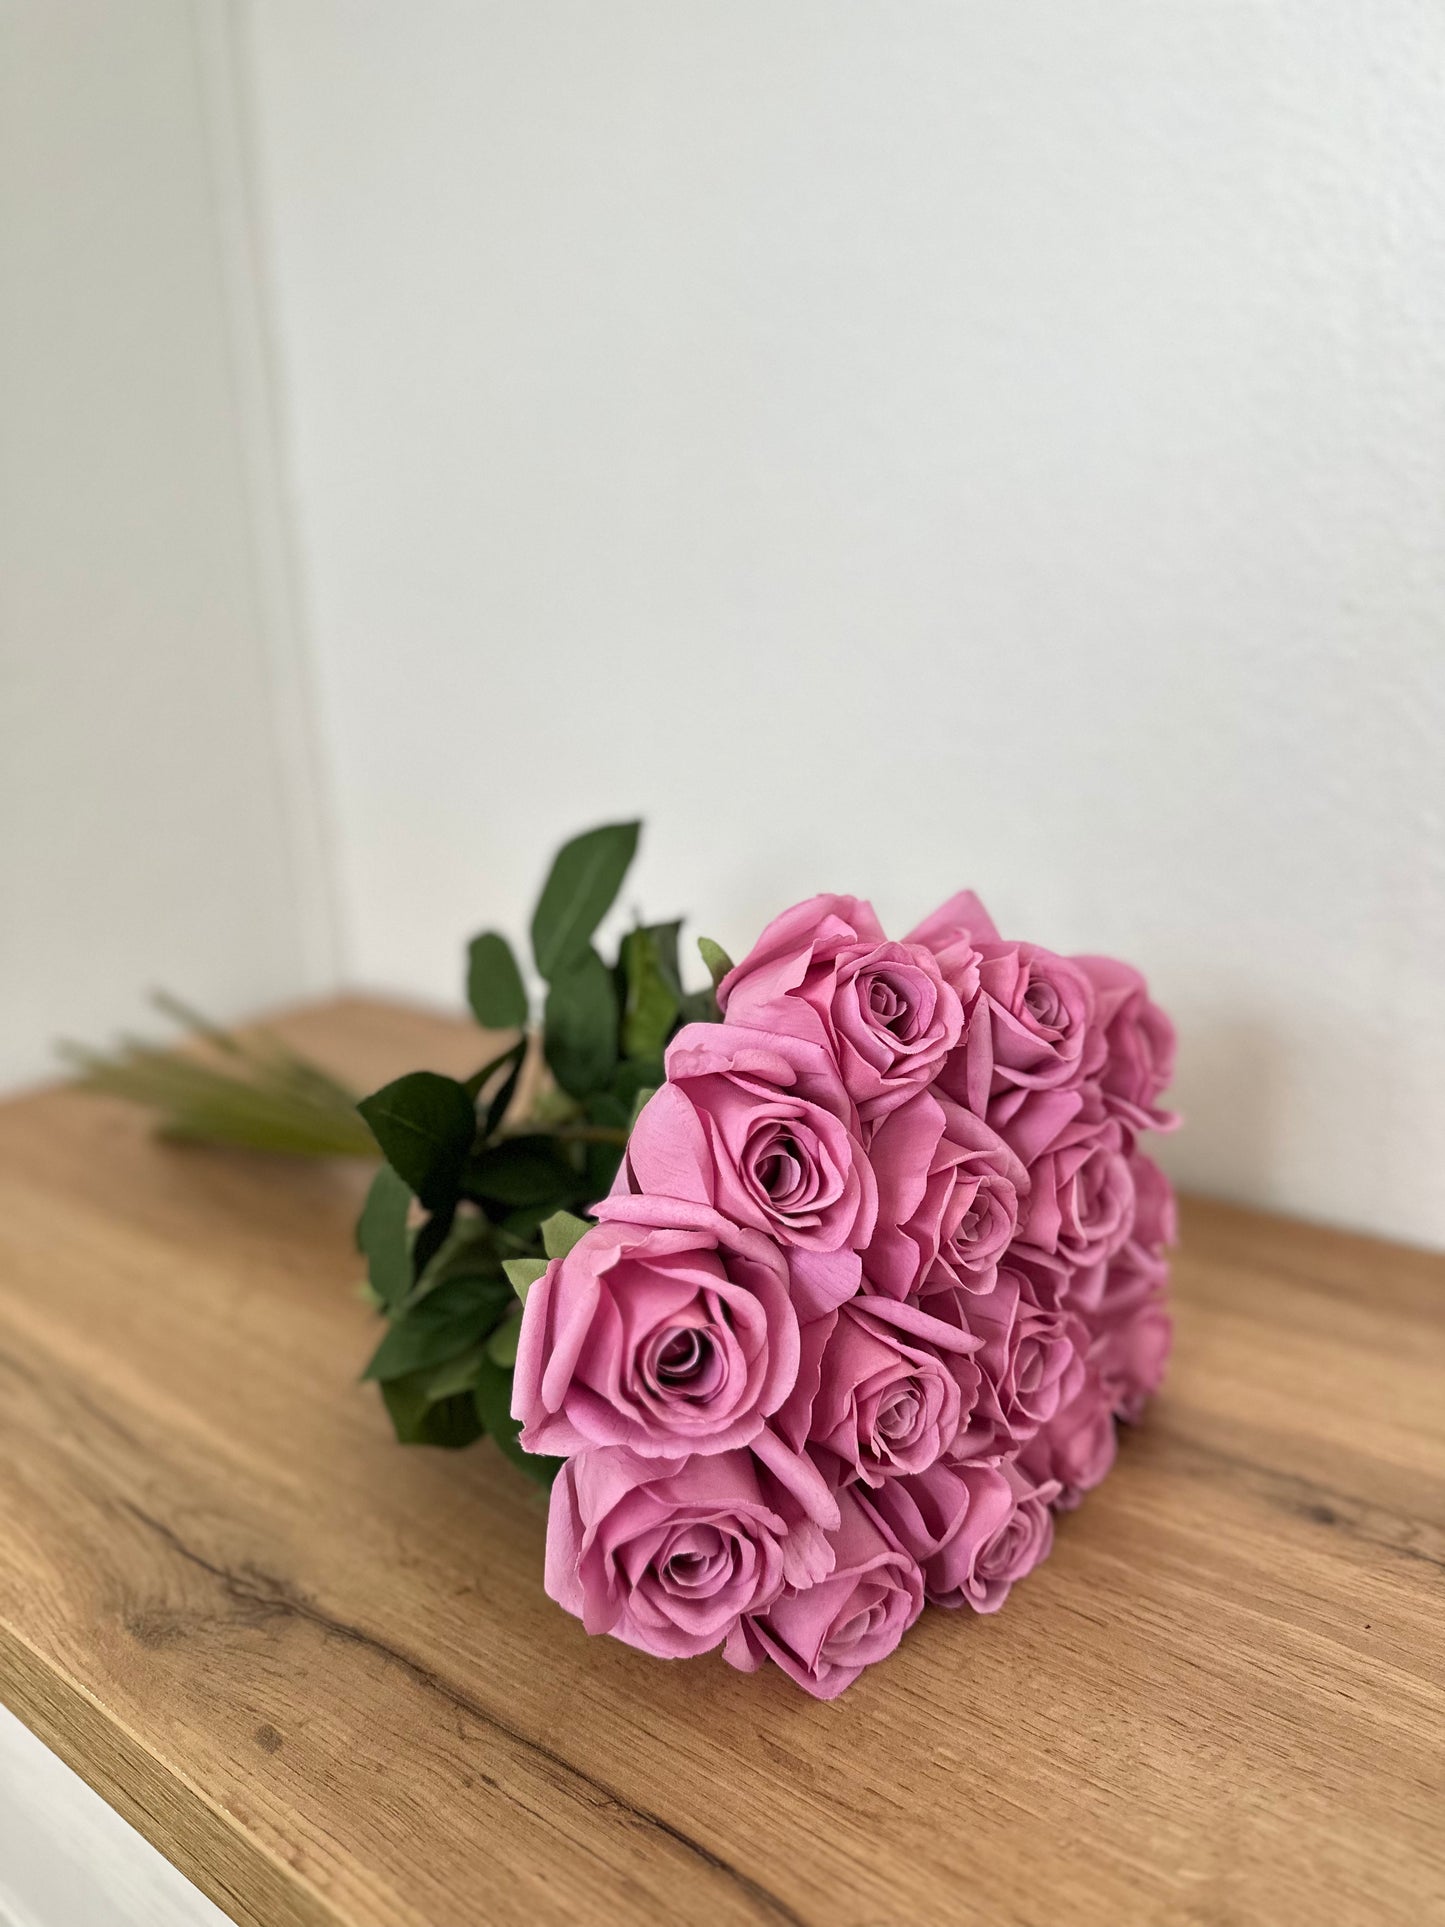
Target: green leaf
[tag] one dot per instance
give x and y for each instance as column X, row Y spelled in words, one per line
column 580, row 1028
column 495, row 989
column 424, row 1124
column 651, row 1008
column 718, row 962
column 418, row 1419
column 381, row 1235
column 451, row 1319
column 664, row 946
column 520, row 1170
column 502, row 1345
column 459, row 1374
column 561, row 1231
column 494, row 1407
column 501, row 1099
column 700, row 1007
column 523, row 1273
column 585, row 877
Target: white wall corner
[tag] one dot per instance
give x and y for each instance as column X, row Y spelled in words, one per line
column 224, row 69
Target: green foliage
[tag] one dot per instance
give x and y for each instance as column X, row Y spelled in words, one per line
column 473, row 1200
column 560, row 1232
column 381, row 1236
column 650, row 1001
column 495, row 989
column 505, row 1195
column 523, row 1273
column 585, row 877
column 581, row 1026
column 718, row 962
column 424, row 1124
column 248, row 1092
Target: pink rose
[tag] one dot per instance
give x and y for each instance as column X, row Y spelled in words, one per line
column 1028, row 1028
column 1129, row 1352
column 1080, row 1202
column 825, row 1634
column 757, row 1125
column 1077, row 1446
column 947, row 1518
column 953, row 934
column 1139, row 1044
column 893, row 1387
column 1031, row 1363
column 666, row 1329
column 948, row 1199
column 1156, row 1214
column 666, row 1554
column 823, row 970
column 1023, row 1541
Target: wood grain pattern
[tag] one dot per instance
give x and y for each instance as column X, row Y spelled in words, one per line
column 321, row 1674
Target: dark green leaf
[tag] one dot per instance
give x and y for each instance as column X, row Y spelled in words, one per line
column 700, row 1007
column 459, row 1374
column 523, row 1273
column 664, row 947
column 449, row 1320
column 561, row 1231
column 381, row 1235
column 494, row 1406
column 424, row 1124
column 478, row 1081
column 495, row 989
column 585, row 877
column 520, row 1170
column 419, row 1420
column 502, row 1345
column 650, row 1009
column 580, row 1035
column 430, row 1237
column 718, row 962
column 500, row 1101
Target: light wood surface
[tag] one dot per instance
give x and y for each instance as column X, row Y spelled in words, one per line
column 320, row 1673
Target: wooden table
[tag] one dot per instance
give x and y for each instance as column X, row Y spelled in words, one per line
column 320, row 1672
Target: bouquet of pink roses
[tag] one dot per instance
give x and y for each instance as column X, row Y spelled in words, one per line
column 881, row 1266
column 870, row 1264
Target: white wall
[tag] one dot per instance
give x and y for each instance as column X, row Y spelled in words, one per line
column 894, row 446
column 157, row 822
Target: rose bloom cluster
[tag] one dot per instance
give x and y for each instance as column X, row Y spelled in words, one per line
column 882, row 1267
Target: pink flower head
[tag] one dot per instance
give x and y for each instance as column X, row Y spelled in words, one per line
column 666, row 1329
column 893, row 1387
column 1129, row 1351
column 948, row 1191
column 667, row 1554
column 1081, row 1199
column 757, row 1125
column 823, row 970
column 1138, row 1044
column 1028, row 1028
column 825, row 1634
column 948, row 1518
column 1031, row 1362
column 1076, row 1448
